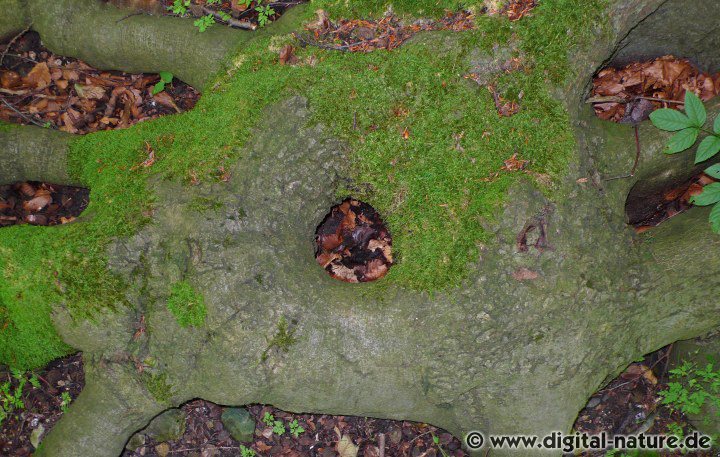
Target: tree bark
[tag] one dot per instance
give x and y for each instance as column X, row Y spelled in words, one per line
column 34, row 154
column 497, row 354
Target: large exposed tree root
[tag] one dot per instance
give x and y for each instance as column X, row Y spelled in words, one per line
column 498, row 354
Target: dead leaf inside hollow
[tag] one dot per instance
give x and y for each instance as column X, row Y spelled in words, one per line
column 353, row 244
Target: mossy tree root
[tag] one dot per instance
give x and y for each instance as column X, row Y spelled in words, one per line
column 34, row 154
column 108, row 37
column 112, row 402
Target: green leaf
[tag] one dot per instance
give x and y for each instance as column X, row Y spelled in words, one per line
column 159, row 87
column 166, row 76
column 708, row 148
column 709, row 195
column 682, row 140
column 715, row 218
column 670, row 120
column 713, row 171
column 716, row 127
column 695, row 109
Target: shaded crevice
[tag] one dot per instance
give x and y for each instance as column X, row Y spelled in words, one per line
column 38, row 203
column 352, row 243
column 652, row 202
column 201, row 426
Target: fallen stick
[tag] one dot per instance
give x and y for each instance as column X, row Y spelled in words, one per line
column 231, row 22
column 12, row 42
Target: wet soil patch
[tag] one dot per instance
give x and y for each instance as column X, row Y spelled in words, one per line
column 46, row 90
column 206, row 435
column 629, row 94
column 37, row 203
column 649, row 208
column 353, row 244
column 55, row 387
column 630, row 404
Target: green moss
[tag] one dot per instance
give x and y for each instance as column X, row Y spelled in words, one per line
column 283, row 339
column 187, row 305
column 376, row 8
column 158, row 386
column 432, row 193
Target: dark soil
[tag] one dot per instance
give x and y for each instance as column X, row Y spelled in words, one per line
column 205, row 435
column 43, row 404
column 38, row 203
column 630, row 404
column 40, row 88
column 353, row 244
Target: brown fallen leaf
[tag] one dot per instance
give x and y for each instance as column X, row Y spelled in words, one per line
column 90, row 92
column 287, row 55
column 345, row 446
column 41, row 200
column 165, row 99
column 10, row 79
column 39, row 76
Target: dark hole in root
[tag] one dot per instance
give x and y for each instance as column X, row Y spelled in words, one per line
column 37, row 203
column 648, row 206
column 353, row 244
column 42, row 89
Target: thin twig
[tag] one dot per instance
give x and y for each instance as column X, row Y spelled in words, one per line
column 22, row 115
column 137, row 13
column 230, row 21
column 12, row 42
column 381, row 444
column 637, row 156
column 616, row 99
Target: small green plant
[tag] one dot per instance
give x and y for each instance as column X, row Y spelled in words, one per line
column 675, row 429
column 688, row 127
column 187, row 305
column 11, row 398
column 265, row 12
column 268, row 419
column 436, row 440
column 279, row 428
column 296, row 429
column 34, row 381
column 283, row 339
column 692, row 387
column 202, row 23
column 246, row 452
column 66, row 399
column 165, row 78
column 180, row 7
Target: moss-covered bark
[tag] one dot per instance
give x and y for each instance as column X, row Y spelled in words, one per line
column 34, row 153
column 496, row 354
column 13, row 20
